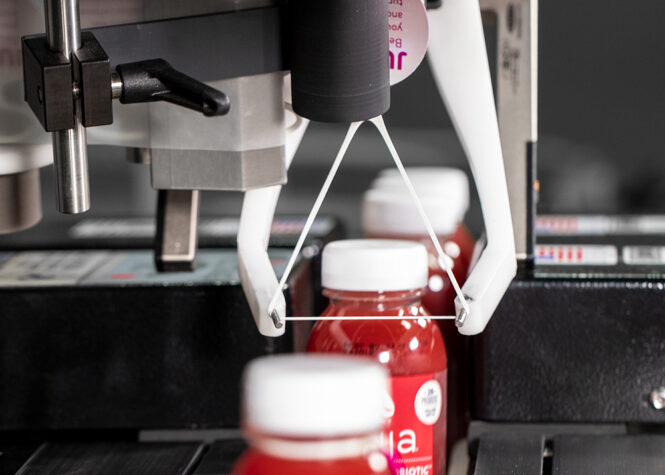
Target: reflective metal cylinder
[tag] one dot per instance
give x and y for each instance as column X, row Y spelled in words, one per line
column 70, row 155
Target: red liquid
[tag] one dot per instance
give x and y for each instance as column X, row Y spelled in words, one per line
column 412, row 350
column 462, row 236
column 254, row 462
column 439, row 299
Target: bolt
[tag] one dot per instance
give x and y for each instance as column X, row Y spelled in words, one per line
column 657, row 398
column 274, row 316
column 459, row 321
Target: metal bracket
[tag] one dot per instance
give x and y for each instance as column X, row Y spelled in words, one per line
column 48, row 84
column 177, row 220
column 94, row 71
column 517, row 109
column 50, row 90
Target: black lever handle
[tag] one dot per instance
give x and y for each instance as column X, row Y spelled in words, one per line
column 156, row 80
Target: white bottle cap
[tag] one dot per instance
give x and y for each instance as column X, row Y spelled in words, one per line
column 442, row 178
column 374, row 265
column 389, row 209
column 314, row 395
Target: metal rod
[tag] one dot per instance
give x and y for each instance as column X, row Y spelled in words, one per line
column 70, row 154
column 116, row 85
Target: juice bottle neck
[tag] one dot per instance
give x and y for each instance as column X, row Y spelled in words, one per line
column 381, row 301
column 316, row 448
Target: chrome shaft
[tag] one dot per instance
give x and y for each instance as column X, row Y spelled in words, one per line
column 70, row 156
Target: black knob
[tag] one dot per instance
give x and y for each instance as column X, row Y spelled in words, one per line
column 156, row 80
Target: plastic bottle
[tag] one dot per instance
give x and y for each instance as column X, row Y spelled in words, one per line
column 386, row 278
column 313, row 414
column 389, row 212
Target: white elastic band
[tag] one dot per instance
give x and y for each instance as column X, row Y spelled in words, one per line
column 353, row 128
column 370, row 317
column 443, row 259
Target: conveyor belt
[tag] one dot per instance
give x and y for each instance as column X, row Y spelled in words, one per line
column 498, row 454
column 148, row 458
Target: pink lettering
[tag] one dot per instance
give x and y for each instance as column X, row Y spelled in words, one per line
column 400, row 56
column 399, row 59
column 397, row 42
column 419, row 470
column 397, row 27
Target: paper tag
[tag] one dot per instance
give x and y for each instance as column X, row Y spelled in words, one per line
column 643, row 255
column 588, row 255
column 409, row 36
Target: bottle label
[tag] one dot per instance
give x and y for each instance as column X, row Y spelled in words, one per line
column 415, row 430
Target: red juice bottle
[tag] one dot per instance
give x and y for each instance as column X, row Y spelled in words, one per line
column 389, row 213
column 386, row 278
column 314, row 414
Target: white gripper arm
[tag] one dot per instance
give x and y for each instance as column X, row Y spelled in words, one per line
column 458, row 59
column 257, row 276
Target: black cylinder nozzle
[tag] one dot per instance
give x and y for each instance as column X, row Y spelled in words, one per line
column 340, row 64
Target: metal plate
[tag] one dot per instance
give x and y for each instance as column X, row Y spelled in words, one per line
column 562, row 350
column 128, row 348
column 609, row 455
column 523, row 451
column 506, row 454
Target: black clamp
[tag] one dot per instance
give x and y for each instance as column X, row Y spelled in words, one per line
column 52, row 85
column 155, row 80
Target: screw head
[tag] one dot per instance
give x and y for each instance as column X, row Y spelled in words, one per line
column 461, row 318
column 657, row 398
column 274, row 316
